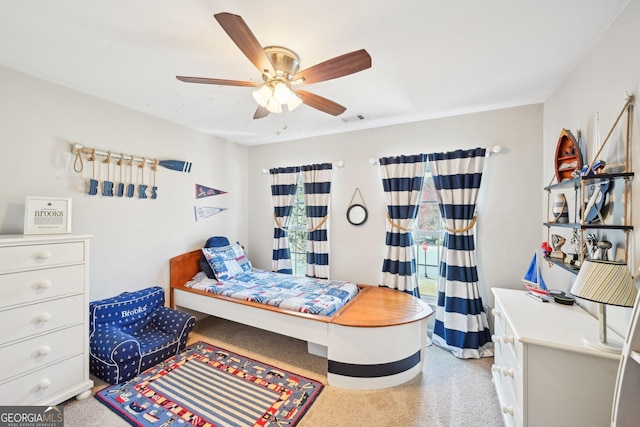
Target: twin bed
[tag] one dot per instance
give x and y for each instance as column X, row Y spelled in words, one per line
column 372, row 337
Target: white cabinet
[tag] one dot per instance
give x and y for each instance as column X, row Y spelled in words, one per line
column 544, row 372
column 44, row 306
column 626, row 409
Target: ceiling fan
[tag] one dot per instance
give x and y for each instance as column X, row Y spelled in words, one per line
column 280, row 72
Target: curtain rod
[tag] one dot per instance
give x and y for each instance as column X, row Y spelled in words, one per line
column 338, row 164
column 495, row 149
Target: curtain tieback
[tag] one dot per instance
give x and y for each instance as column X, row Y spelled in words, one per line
column 324, row 219
column 396, row 225
column 463, row 229
column 275, row 218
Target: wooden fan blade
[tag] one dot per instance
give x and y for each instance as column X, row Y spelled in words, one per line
column 260, row 113
column 319, row 103
column 222, row 82
column 242, row 36
column 339, row 66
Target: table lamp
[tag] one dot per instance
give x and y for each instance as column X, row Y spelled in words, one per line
column 607, row 283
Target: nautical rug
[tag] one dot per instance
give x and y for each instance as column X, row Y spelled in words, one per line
column 208, row 386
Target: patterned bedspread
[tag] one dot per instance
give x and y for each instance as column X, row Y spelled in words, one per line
column 296, row 293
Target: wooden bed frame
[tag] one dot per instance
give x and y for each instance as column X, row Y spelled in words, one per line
column 376, row 340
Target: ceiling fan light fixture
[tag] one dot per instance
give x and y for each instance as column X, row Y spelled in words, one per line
column 274, row 106
column 262, row 95
column 294, row 102
column 281, row 92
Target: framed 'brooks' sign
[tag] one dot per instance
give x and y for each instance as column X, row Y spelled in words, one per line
column 47, row 215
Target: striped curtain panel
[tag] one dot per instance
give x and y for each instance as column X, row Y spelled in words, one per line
column 402, row 179
column 284, row 182
column 461, row 323
column 317, row 193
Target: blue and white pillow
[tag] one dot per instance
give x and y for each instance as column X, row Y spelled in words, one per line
column 227, row 261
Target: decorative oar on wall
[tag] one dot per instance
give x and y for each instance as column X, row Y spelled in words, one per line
column 109, row 188
column 176, row 165
column 77, row 149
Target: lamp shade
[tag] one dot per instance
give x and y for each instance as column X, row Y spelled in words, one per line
column 294, row 102
column 262, row 95
column 281, row 92
column 606, row 282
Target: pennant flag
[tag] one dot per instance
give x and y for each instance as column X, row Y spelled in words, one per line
column 202, row 191
column 206, row 211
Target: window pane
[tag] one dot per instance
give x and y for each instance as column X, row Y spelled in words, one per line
column 298, row 233
column 428, row 239
column 429, row 217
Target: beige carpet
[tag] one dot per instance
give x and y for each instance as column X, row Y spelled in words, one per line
column 448, row 393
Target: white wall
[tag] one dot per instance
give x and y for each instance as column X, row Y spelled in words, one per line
column 598, row 85
column 509, row 222
column 133, row 238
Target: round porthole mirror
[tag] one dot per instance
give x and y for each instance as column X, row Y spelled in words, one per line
column 357, row 214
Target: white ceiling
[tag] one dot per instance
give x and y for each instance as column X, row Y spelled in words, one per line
column 431, row 58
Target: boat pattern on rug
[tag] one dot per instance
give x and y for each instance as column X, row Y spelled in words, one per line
column 208, row 386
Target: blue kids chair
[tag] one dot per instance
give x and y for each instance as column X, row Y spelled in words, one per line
column 134, row 331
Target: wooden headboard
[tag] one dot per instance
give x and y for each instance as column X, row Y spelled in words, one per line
column 182, row 268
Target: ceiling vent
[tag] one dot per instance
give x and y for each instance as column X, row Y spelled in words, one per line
column 353, row 118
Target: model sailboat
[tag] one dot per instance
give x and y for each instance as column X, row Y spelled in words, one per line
column 533, row 280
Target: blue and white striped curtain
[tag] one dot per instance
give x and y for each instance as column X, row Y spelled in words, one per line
column 461, row 323
column 317, row 193
column 284, row 182
column 402, row 179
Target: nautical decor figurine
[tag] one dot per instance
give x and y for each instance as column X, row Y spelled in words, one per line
column 603, row 250
column 556, row 242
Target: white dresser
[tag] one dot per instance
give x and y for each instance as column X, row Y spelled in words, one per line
column 44, row 303
column 544, row 373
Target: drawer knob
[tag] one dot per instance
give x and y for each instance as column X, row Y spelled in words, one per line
column 44, row 317
column 43, row 255
column 495, row 338
column 45, row 284
column 507, row 409
column 44, row 383
column 509, row 340
column 496, row 312
column 44, row 350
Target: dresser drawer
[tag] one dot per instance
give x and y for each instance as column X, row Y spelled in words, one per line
column 40, row 351
column 38, row 385
column 33, row 286
column 17, row 258
column 40, row 318
column 509, row 407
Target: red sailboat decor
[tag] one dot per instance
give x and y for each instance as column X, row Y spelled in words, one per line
column 532, row 280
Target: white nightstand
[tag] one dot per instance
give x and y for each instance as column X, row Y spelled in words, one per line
column 544, row 373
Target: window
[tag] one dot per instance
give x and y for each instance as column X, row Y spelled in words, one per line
column 298, row 232
column 428, row 237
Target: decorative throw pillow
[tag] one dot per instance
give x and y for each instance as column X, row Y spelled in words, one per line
column 227, row 261
column 212, row 242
